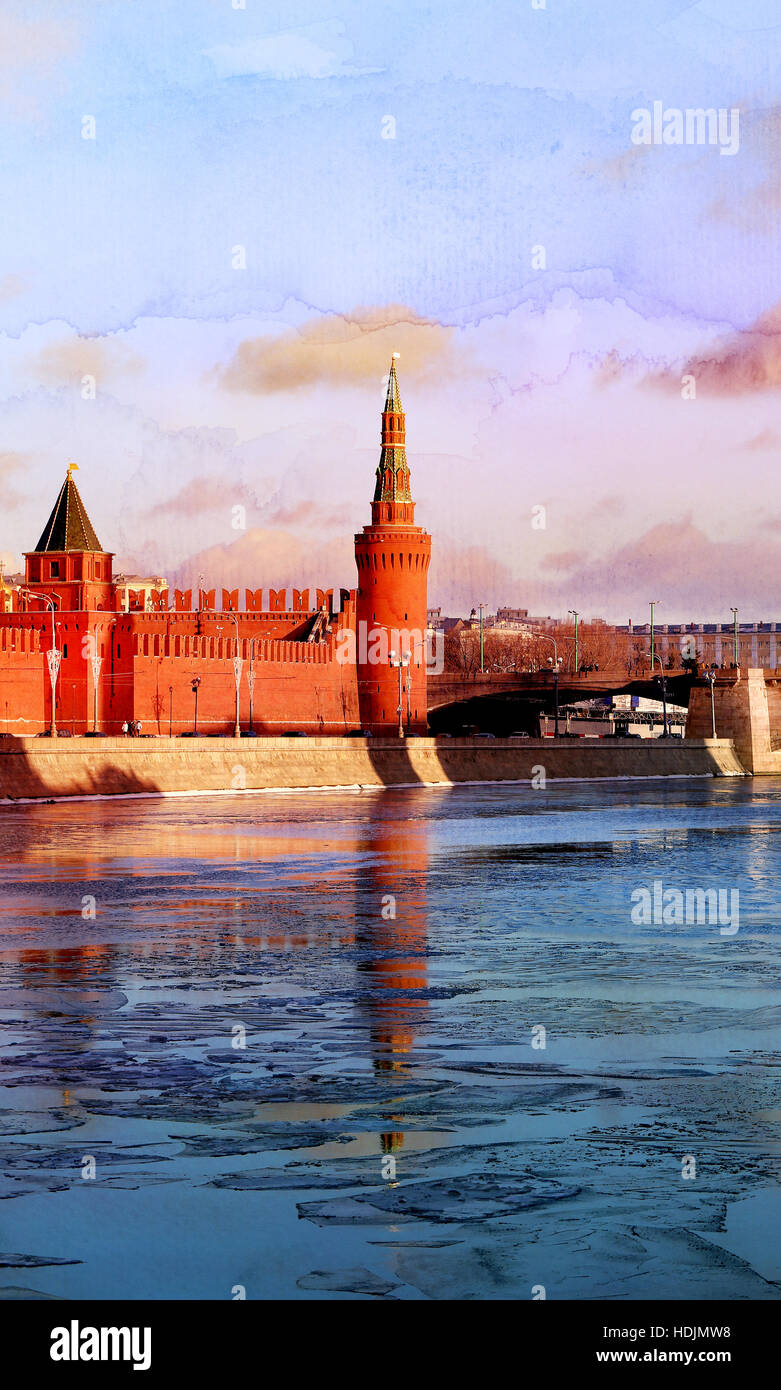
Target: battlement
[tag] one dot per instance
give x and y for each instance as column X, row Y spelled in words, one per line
column 285, row 601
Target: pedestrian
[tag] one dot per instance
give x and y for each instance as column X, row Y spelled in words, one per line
column 125, row 729
column 138, row 728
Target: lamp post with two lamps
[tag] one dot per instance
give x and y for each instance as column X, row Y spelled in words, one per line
column 401, row 663
column 54, row 655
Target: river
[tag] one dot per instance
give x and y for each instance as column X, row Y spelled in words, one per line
column 394, row 1044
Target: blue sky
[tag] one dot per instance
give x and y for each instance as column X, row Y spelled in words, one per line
column 262, row 128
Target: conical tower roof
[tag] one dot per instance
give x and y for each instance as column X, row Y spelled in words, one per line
column 393, row 398
column 69, row 527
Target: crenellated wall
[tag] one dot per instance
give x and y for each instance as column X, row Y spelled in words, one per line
column 149, row 660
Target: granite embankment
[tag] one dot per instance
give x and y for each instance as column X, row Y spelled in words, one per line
column 43, row 767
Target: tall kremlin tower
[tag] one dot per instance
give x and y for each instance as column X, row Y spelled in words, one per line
column 392, row 555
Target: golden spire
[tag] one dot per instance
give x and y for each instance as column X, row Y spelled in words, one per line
column 393, row 398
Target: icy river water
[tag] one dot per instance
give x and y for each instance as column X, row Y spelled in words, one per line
column 404, row 1044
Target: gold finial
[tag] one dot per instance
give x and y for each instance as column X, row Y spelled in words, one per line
column 72, row 466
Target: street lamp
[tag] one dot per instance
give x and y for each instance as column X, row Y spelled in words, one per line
column 238, row 666
column 251, row 678
column 652, row 604
column 575, row 615
column 664, row 696
column 54, row 655
column 195, row 685
column 170, row 711
column 543, row 638
column 97, row 662
column 401, row 663
column 735, row 652
column 710, row 677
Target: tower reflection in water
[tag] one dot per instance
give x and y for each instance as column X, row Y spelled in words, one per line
column 391, row 937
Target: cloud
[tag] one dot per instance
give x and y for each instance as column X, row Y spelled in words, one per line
column 68, row 360
column 11, row 286
column 741, row 363
column 10, row 563
column 766, row 439
column 343, row 350
column 315, row 51
column 462, row 576
column 305, row 513
column 10, row 463
column 30, row 53
column 562, row 560
column 278, row 559
column 757, row 208
column 202, row 495
column 692, row 576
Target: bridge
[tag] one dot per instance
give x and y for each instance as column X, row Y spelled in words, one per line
column 451, row 688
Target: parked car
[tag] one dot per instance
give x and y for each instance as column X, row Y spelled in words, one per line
column 519, row 733
column 483, row 734
column 295, row 733
column 250, row 733
column 359, row 733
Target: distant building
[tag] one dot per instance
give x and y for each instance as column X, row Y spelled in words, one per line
column 136, row 593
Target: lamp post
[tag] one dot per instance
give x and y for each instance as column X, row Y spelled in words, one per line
column 96, row 663
column 652, row 604
column 170, row 711
column 195, row 685
column 664, row 696
column 575, row 615
column 400, row 662
column 54, row 655
column 735, row 651
column 543, row 638
column 710, row 677
column 238, row 666
column 251, row 678
column 481, row 606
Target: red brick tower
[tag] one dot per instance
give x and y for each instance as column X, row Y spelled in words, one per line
column 69, row 560
column 392, row 555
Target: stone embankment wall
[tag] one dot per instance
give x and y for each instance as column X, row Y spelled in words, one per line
column 747, row 709
column 43, row 768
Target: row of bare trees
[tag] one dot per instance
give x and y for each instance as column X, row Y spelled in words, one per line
column 599, row 647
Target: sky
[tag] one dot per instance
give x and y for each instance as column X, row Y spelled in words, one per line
column 221, row 218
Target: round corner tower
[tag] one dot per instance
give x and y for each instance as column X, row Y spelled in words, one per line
column 392, row 555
